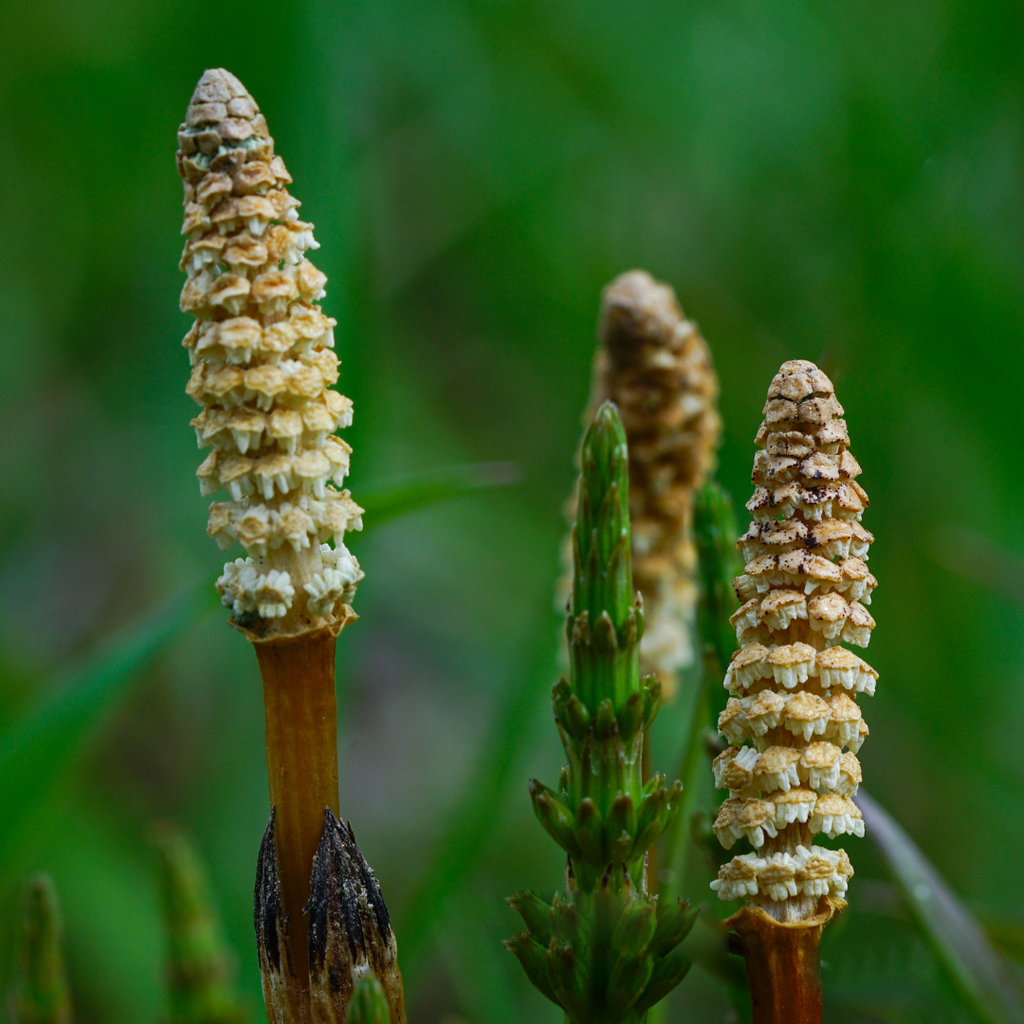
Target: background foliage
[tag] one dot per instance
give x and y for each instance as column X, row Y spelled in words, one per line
column 835, row 181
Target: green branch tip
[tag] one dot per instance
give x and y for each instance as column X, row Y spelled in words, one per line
column 369, row 1005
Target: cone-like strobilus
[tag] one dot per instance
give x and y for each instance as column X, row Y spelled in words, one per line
column 603, row 949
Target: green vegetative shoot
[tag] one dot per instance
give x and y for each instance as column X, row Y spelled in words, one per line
column 604, row 947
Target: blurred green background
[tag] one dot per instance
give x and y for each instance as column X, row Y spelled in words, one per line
column 836, row 181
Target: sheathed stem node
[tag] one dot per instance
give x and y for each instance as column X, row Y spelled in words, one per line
column 285, row 994
column 350, row 936
column 783, row 962
column 350, row 932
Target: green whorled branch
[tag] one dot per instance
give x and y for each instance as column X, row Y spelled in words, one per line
column 603, row 948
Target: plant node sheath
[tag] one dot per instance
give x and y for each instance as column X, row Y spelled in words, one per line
column 783, row 963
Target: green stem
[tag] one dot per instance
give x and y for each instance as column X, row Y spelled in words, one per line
column 714, row 526
column 676, row 842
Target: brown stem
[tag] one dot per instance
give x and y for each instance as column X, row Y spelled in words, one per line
column 783, row 962
column 302, row 766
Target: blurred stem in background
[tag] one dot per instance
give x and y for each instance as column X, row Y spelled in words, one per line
column 201, row 967
column 41, row 993
column 715, row 527
column 603, row 948
column 714, row 530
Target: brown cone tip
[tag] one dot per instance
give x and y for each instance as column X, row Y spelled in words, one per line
column 218, row 85
column 263, row 366
column 636, row 306
column 222, row 110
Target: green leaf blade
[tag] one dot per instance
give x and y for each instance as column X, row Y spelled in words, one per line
column 37, row 750
column 952, row 932
column 421, row 490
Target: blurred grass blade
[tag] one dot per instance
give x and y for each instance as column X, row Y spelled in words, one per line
column 471, row 825
column 41, row 994
column 44, row 740
column 481, row 980
column 411, row 493
column 1006, row 932
column 956, row 938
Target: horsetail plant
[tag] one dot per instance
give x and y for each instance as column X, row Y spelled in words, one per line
column 655, row 365
column 793, row 685
column 603, row 948
column 261, row 352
